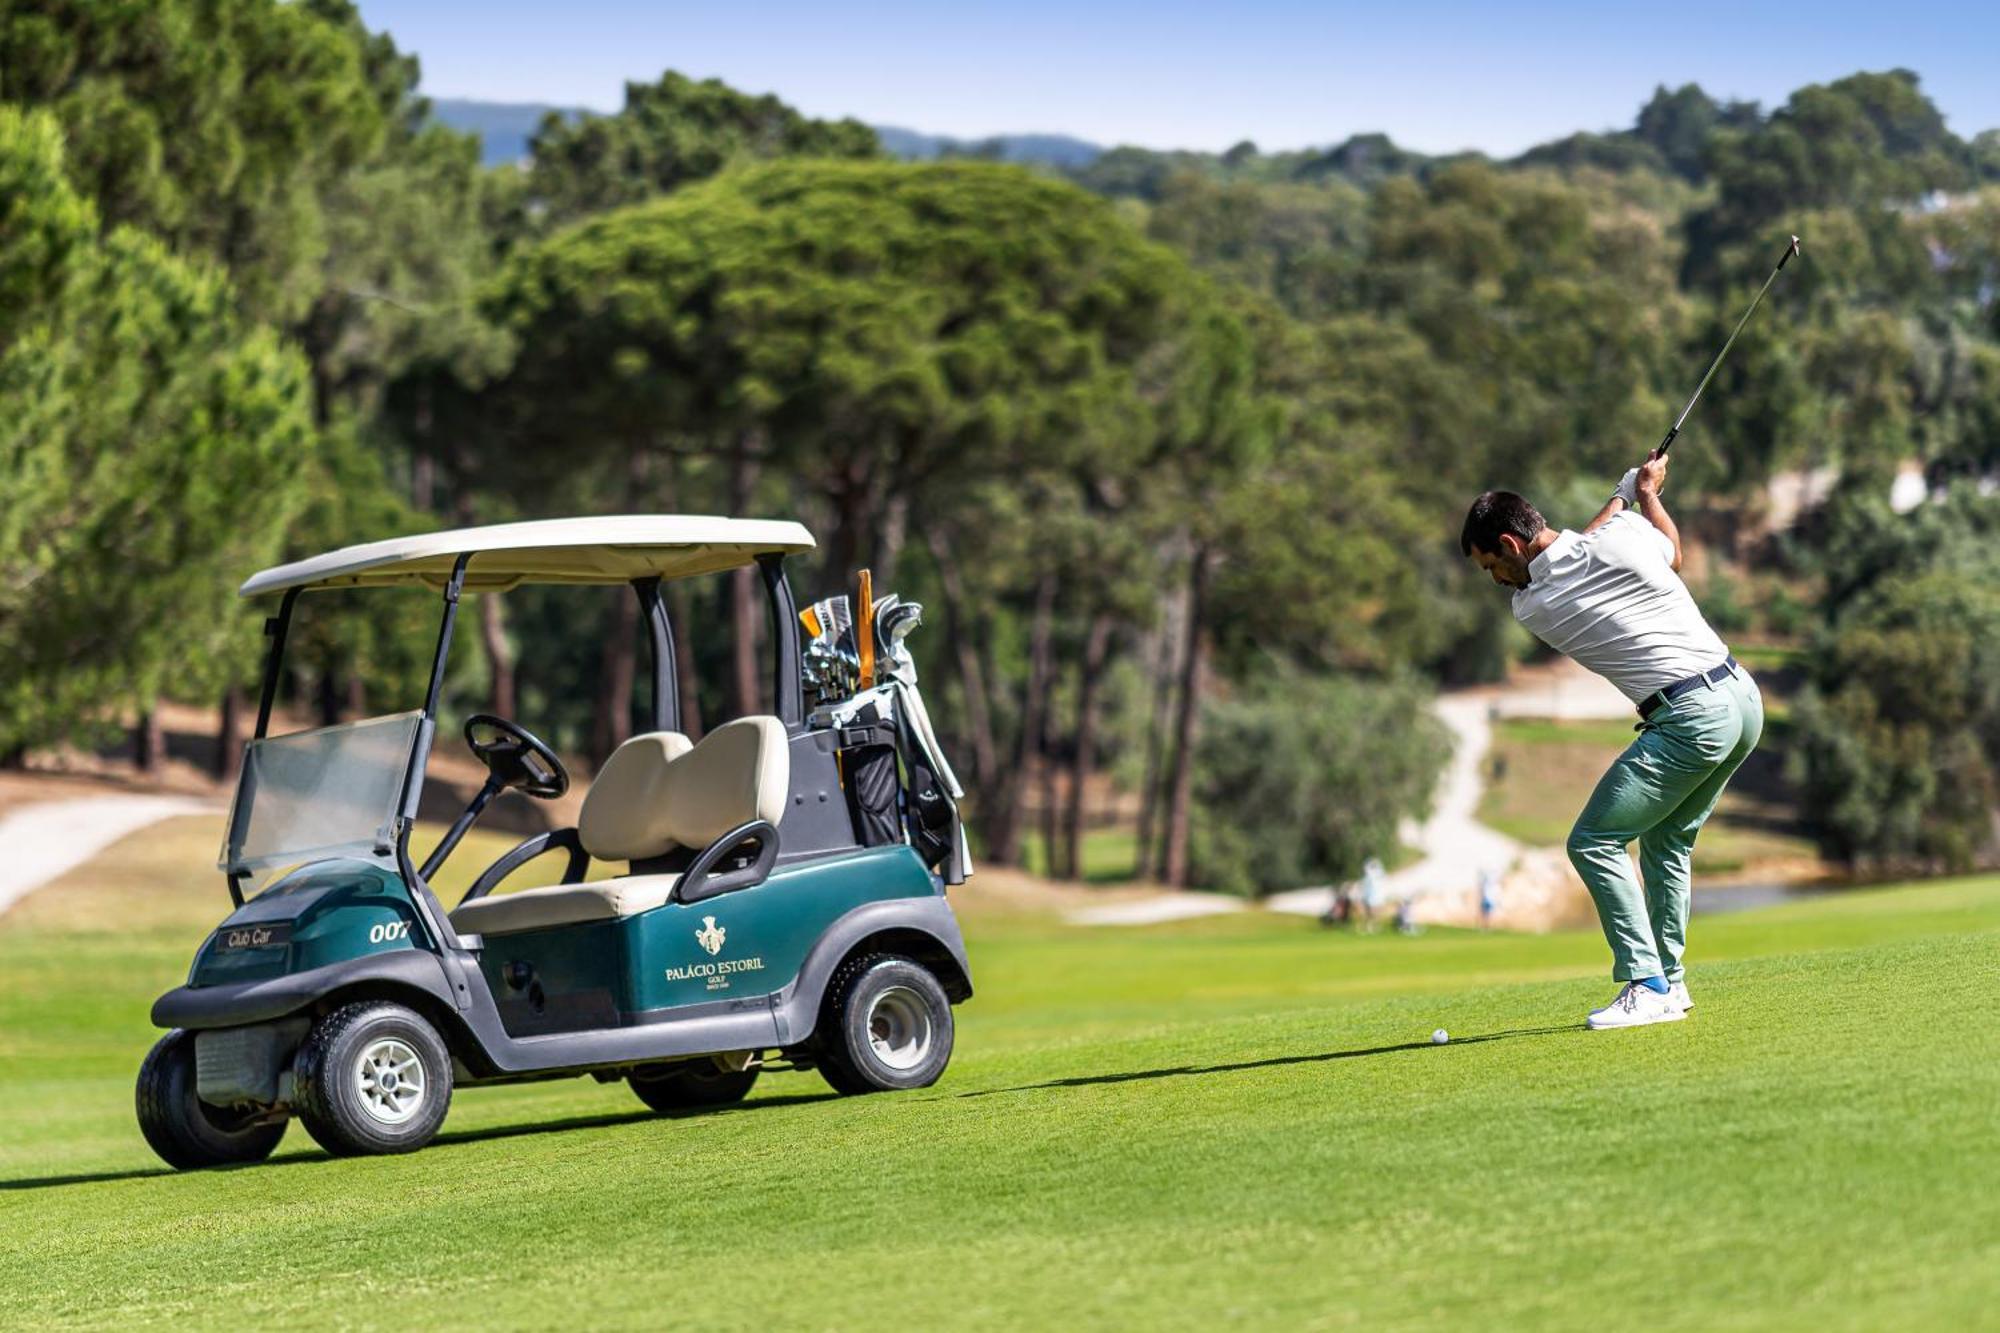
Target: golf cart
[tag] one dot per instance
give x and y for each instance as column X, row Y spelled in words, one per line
column 781, row 886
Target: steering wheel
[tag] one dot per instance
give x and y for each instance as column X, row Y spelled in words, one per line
column 516, row 757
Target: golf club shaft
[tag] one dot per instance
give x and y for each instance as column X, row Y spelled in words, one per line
column 1790, row 250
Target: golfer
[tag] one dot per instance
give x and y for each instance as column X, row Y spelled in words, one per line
column 1611, row 598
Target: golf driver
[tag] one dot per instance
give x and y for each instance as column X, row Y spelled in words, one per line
column 1790, row 250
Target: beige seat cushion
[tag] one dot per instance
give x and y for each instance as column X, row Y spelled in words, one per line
column 650, row 799
column 563, row 905
column 621, row 811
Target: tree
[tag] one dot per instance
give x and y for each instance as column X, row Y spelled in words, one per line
column 902, row 347
column 669, row 134
column 1899, row 731
column 1677, row 125
column 1863, row 143
column 213, row 125
column 150, row 452
column 1281, row 805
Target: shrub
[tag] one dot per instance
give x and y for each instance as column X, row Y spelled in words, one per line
column 1899, row 730
column 1301, row 778
column 1722, row 605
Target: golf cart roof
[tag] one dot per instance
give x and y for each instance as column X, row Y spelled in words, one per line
column 608, row 550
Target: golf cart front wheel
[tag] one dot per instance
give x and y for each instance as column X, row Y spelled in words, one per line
column 183, row 1129
column 372, row 1078
column 691, row 1084
column 887, row 1025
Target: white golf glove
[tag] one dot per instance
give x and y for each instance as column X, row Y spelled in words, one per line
column 1628, row 488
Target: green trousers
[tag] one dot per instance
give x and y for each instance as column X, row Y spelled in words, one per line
column 1659, row 793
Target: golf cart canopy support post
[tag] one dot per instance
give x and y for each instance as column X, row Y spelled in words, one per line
column 666, row 676
column 452, row 589
column 791, row 683
column 275, row 629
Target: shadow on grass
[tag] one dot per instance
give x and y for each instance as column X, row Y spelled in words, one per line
column 604, row 1121
column 1274, row 1062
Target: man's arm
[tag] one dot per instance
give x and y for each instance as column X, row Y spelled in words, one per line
column 1625, row 497
column 1612, row 509
column 1652, row 479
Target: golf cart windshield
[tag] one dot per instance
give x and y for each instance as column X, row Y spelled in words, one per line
column 314, row 795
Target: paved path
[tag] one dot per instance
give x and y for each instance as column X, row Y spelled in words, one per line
column 1455, row 845
column 1563, row 690
column 1152, row 911
column 51, row 838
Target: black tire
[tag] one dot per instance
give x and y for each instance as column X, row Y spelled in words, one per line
column 691, row 1084
column 885, row 1025
column 184, row 1130
column 334, row 1096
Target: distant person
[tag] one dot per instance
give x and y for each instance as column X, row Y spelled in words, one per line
column 1489, row 898
column 1373, row 892
column 1339, row 907
column 1611, row 598
column 1406, row 921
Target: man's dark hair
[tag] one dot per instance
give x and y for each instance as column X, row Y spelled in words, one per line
column 1494, row 513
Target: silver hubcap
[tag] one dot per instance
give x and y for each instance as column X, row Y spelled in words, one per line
column 899, row 1028
column 392, row 1081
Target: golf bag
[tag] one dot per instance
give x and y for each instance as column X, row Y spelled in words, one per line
column 868, row 771
column 933, row 818
column 898, row 785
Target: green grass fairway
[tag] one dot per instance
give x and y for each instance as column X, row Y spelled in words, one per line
column 1231, row 1122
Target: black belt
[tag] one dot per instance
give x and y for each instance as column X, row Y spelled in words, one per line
column 1659, row 699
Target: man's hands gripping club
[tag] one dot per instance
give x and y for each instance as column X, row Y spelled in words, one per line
column 1650, row 475
column 1640, row 489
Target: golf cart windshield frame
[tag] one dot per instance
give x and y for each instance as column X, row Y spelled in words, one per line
column 789, row 687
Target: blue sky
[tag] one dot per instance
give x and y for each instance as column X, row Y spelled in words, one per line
column 1434, row 76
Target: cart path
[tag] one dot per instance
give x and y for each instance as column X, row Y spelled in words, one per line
column 51, row 838
column 1453, row 845
column 1152, row 911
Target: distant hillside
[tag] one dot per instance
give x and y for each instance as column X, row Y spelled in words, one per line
column 504, row 128
column 1049, row 150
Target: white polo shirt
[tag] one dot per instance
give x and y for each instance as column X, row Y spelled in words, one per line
column 1610, row 600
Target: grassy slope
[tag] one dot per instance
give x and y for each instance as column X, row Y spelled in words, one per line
column 1232, row 1119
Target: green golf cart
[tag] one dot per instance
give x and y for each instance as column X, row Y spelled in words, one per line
column 778, row 901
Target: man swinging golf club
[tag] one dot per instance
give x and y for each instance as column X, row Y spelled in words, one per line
column 1610, row 597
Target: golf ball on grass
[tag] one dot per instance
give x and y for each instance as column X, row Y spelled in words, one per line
column 1440, row 1037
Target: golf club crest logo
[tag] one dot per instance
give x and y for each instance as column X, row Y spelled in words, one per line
column 710, row 936
column 714, row 976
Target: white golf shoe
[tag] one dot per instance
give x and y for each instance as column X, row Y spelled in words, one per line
column 1636, row 1006
column 1678, row 993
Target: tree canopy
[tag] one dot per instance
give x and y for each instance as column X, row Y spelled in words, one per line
column 670, row 133
column 150, row 452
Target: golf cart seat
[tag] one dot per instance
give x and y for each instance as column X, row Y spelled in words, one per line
column 656, row 797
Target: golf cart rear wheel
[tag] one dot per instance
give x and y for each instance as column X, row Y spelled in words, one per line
column 183, row 1129
column 690, row 1084
column 372, row 1078
column 886, row 1025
